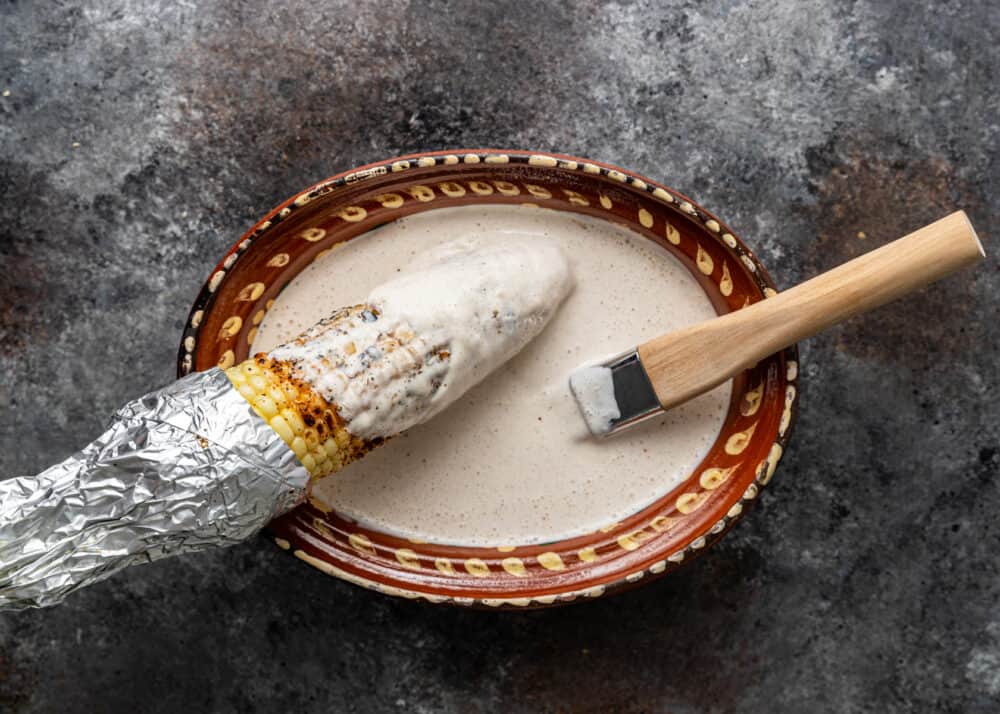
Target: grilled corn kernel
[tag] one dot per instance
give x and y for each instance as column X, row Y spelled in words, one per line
column 294, row 420
column 279, row 424
column 265, row 406
column 299, row 446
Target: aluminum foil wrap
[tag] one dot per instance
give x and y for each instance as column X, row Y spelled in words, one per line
column 185, row 468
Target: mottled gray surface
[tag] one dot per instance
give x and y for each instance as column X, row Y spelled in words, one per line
column 139, row 140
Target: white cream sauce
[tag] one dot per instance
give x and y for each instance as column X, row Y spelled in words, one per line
column 459, row 312
column 512, row 461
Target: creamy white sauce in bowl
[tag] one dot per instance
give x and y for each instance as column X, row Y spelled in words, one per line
column 511, row 462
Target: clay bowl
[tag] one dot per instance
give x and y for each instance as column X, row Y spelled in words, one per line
column 650, row 543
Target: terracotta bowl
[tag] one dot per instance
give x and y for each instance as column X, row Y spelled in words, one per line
column 650, row 543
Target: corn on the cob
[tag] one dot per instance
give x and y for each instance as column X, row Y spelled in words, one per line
column 373, row 370
column 313, row 427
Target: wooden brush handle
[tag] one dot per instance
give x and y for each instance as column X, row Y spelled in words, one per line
column 686, row 363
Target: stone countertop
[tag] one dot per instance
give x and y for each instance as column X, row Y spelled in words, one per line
column 140, row 139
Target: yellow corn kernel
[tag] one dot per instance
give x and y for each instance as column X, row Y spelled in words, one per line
column 309, row 462
column 258, row 383
column 277, row 395
column 248, row 392
column 249, row 368
column 294, row 420
column 266, row 406
column 283, row 430
column 299, row 446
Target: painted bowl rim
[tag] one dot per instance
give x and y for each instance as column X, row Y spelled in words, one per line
column 709, row 223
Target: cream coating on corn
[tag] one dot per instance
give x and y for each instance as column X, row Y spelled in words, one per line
column 418, row 343
column 432, row 333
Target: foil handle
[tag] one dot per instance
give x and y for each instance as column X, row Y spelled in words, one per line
column 185, row 468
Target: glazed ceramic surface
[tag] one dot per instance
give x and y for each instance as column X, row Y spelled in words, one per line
column 651, row 542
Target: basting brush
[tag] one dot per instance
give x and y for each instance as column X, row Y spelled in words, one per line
column 673, row 368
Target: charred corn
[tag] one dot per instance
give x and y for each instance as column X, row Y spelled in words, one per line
column 373, row 370
column 311, row 425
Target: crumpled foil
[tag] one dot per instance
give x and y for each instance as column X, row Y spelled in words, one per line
column 185, row 468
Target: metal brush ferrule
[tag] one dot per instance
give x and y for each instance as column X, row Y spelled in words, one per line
column 633, row 391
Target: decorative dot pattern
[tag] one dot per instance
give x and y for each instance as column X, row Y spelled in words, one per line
column 313, row 234
column 407, row 558
column 704, row 261
column 477, row 567
column 361, row 543
column 551, row 561
column 673, row 235
column 739, row 441
column 726, row 281
column 445, row 567
column 515, row 566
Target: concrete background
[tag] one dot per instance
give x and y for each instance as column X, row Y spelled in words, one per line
column 138, row 140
